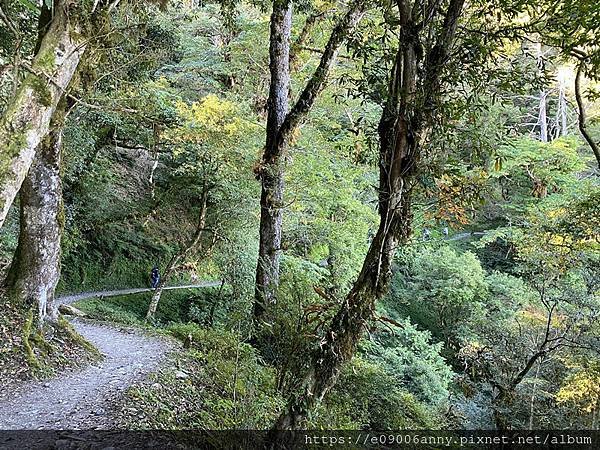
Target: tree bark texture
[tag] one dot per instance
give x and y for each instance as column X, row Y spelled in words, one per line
column 35, row 269
column 402, row 130
column 272, row 171
column 26, row 120
column 543, row 117
column 280, row 127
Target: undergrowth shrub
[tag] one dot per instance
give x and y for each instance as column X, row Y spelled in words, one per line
column 27, row 351
column 367, row 397
column 175, row 306
column 219, row 383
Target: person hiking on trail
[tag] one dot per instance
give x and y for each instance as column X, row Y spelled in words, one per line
column 445, row 232
column 154, row 277
column 426, row 234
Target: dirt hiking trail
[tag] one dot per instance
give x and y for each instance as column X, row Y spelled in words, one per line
column 80, row 399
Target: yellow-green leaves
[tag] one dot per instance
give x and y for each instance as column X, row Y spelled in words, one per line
column 582, row 389
column 210, row 116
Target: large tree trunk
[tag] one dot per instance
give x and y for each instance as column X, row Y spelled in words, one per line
column 272, row 171
column 35, row 269
column 174, row 261
column 402, row 130
column 26, row 120
column 280, row 127
column 337, row 347
column 500, row 404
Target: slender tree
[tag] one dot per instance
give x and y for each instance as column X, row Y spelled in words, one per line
column 582, row 115
column 412, row 94
column 271, row 170
column 572, row 27
column 185, row 250
column 280, row 127
column 298, row 45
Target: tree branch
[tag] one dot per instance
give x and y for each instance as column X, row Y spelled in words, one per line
column 582, row 118
column 317, row 82
column 298, row 45
column 14, row 30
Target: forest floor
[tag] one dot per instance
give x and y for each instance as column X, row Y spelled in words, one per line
column 82, row 399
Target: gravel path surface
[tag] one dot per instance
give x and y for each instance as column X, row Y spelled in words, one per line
column 80, row 399
column 68, row 299
column 460, row 236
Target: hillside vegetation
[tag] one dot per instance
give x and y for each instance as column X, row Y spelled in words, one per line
column 408, row 232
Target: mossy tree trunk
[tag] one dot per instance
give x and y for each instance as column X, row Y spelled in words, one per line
column 404, row 126
column 35, row 269
column 26, row 120
column 281, row 125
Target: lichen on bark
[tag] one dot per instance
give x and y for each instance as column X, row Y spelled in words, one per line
column 29, row 112
column 35, row 268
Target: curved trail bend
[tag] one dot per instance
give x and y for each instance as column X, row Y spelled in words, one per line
column 72, row 298
column 81, row 399
column 78, row 399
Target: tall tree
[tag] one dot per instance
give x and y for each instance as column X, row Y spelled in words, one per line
column 271, row 171
column 27, row 118
column 35, row 269
column 582, row 119
column 572, row 27
column 412, row 95
column 198, row 173
column 26, row 121
column 280, row 126
column 181, row 254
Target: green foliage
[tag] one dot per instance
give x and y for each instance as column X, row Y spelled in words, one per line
column 413, row 360
column 176, row 306
column 331, row 221
column 582, row 387
column 115, row 309
column 442, row 291
column 537, row 169
column 506, row 294
column 368, row 397
column 284, row 344
column 226, row 387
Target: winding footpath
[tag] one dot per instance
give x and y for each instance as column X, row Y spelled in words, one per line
column 76, row 400
column 68, row 299
column 80, row 399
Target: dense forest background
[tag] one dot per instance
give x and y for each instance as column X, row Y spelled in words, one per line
column 486, row 313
